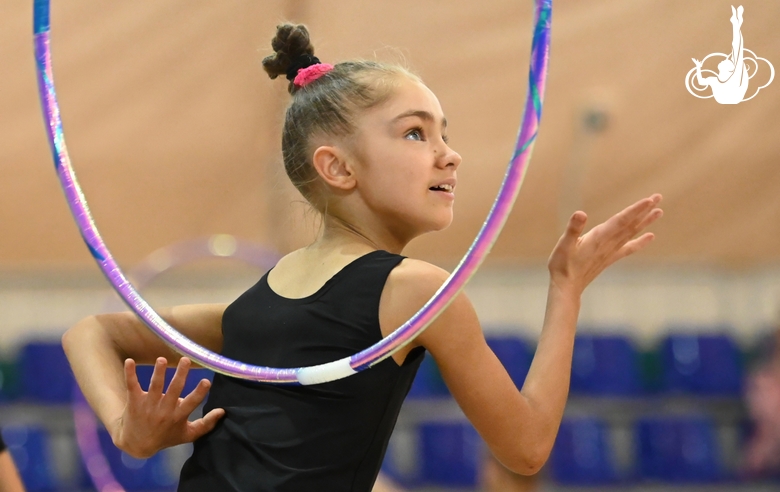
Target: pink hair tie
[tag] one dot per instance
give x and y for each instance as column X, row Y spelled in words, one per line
column 311, row 73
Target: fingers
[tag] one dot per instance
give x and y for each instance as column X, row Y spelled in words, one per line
column 580, row 258
column 179, row 379
column 158, row 377
column 211, row 418
column 573, row 229
column 640, row 207
column 629, row 221
column 614, row 239
column 577, row 224
column 205, row 424
column 190, row 402
column 651, row 217
column 131, row 378
column 635, row 245
column 647, row 213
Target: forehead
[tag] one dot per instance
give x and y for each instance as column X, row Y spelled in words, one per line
column 409, row 95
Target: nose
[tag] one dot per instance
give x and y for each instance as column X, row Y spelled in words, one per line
column 449, row 158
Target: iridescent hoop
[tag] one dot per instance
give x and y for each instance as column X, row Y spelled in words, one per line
column 162, row 260
column 331, row 371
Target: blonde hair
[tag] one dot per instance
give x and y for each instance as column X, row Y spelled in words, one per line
column 326, row 106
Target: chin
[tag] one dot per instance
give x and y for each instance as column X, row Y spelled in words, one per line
column 433, row 223
column 440, row 225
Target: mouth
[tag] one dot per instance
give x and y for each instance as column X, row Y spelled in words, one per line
column 446, row 188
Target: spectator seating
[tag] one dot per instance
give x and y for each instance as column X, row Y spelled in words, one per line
column 428, row 383
column 704, row 364
column 30, row 448
column 514, row 353
column 451, row 454
column 678, row 449
column 605, row 365
column 45, row 373
column 582, row 454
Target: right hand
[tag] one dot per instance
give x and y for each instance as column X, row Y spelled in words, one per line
column 154, row 420
column 578, row 259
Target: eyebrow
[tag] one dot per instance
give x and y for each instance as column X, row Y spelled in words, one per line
column 423, row 115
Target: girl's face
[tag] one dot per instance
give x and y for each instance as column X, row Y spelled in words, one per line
column 405, row 170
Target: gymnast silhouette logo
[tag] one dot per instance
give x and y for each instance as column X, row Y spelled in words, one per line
column 730, row 84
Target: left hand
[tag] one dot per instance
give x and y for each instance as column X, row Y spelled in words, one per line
column 577, row 260
column 154, row 420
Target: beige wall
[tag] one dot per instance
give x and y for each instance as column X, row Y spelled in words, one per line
column 173, row 127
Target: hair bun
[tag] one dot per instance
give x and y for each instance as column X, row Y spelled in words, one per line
column 291, row 41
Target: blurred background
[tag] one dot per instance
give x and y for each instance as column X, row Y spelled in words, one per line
column 174, row 132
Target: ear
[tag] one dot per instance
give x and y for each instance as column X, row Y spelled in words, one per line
column 333, row 167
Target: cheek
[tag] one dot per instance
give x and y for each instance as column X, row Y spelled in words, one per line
column 409, row 184
column 397, row 191
column 395, row 176
column 398, row 175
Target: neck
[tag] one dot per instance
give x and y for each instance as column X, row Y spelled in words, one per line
column 347, row 237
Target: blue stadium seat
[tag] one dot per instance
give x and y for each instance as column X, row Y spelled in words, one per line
column 515, row 354
column 137, row 474
column 29, row 447
column 605, row 365
column 428, row 383
column 678, row 449
column 451, row 454
column 45, row 372
column 582, row 454
column 702, row 364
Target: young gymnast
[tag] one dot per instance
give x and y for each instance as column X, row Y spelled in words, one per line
column 366, row 145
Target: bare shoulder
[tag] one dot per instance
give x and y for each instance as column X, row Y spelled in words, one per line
column 418, row 275
column 412, row 283
column 409, row 286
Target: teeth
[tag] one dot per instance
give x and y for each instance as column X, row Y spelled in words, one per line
column 446, row 187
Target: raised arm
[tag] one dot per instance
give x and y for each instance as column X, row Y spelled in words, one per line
column 701, row 80
column 520, row 426
column 103, row 350
column 736, row 39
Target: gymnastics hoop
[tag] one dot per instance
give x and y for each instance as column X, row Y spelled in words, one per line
column 347, row 366
column 158, row 262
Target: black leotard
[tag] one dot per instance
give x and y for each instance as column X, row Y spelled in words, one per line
column 329, row 437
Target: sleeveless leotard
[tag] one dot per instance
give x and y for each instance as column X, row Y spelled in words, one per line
column 328, row 437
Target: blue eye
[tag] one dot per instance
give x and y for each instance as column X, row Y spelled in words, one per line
column 415, row 134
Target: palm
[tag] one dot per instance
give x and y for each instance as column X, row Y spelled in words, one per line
column 578, row 259
column 153, row 420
